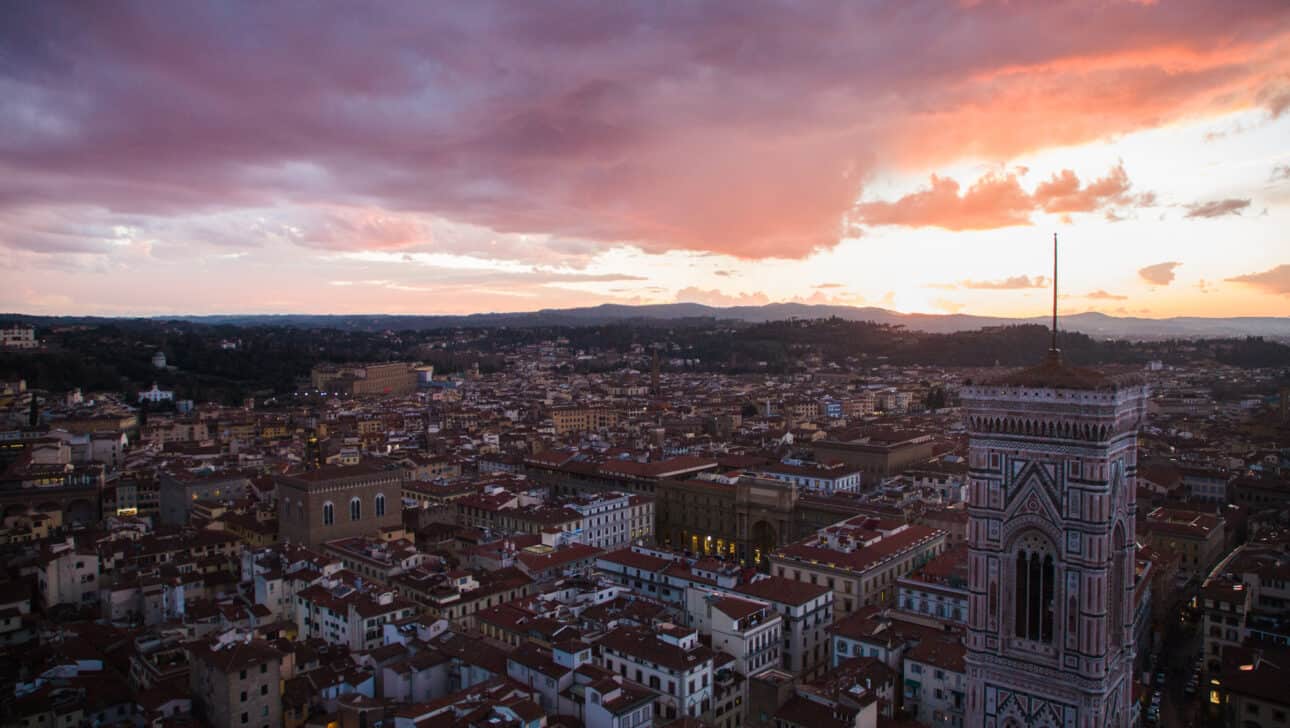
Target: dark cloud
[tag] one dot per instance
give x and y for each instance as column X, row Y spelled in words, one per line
column 1217, row 208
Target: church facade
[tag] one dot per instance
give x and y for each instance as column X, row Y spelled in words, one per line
column 1052, row 465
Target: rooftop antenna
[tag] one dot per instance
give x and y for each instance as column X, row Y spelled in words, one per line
column 1054, row 354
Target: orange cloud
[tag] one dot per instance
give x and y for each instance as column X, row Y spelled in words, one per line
column 1063, row 193
column 1160, row 274
column 1013, row 283
column 991, row 202
column 1274, row 280
column 996, row 201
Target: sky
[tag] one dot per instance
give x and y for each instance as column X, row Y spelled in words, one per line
column 421, row 158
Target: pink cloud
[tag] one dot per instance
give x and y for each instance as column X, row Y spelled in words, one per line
column 998, row 201
column 991, row 202
column 361, row 229
column 1064, row 193
column 713, row 297
column 1012, row 283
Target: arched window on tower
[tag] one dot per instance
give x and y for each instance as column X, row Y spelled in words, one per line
column 1034, row 591
column 329, row 513
column 1115, row 593
column 355, row 509
column 380, row 504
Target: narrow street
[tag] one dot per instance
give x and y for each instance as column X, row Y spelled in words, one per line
column 1179, row 710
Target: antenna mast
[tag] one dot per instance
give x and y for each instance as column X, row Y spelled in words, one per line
column 1054, row 352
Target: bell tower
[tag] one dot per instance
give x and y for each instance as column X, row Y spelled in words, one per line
column 1051, row 508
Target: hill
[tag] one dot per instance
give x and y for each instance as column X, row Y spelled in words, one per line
column 1094, row 324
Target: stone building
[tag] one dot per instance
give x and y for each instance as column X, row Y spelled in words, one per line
column 236, row 683
column 358, row 380
column 807, row 614
column 179, row 490
column 338, row 502
column 1052, row 504
column 669, row 660
column 878, row 454
column 860, row 559
column 576, row 418
column 743, row 518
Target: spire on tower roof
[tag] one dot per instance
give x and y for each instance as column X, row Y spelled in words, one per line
column 1054, row 354
column 1055, row 373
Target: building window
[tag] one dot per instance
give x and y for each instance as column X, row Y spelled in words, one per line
column 329, row 513
column 1033, row 584
column 380, row 504
column 355, row 509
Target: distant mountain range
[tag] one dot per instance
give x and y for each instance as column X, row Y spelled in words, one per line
column 1094, row 324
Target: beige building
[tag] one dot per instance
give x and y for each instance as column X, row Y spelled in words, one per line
column 879, row 453
column 748, row 630
column 235, row 684
column 358, row 380
column 338, row 502
column 806, row 612
column 18, row 336
column 860, row 559
column 582, row 419
column 1199, row 538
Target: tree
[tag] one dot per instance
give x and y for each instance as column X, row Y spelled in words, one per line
column 935, row 398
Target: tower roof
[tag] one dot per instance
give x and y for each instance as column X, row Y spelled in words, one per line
column 1054, row 373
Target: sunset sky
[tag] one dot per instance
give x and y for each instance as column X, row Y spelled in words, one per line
column 329, row 157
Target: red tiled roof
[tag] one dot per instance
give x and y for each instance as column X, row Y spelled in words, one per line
column 783, row 591
column 627, row 557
